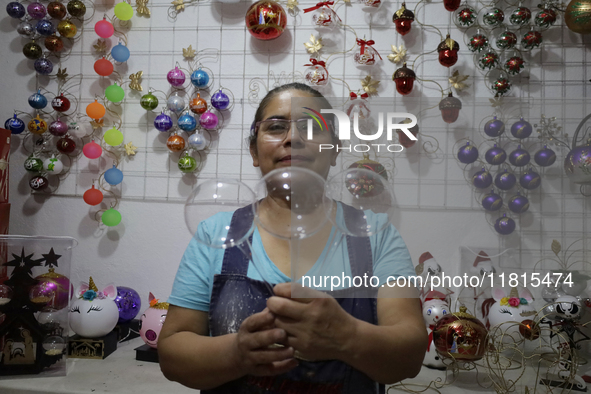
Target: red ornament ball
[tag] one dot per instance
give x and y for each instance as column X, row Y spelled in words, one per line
column 361, row 184
column 266, row 20
column 448, row 52
column 529, row 330
column 38, row 183
column 60, row 103
column 403, row 19
column 66, row 145
column 93, row 196
column 54, row 44
column 460, row 336
column 451, row 5
column 103, row 67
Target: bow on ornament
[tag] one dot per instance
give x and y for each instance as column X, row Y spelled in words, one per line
column 318, row 5
column 359, row 107
column 369, row 43
column 314, row 62
column 353, row 95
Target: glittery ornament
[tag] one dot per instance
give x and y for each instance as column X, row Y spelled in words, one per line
column 518, row 203
column 175, row 143
column 466, row 16
column 45, row 28
column 128, row 302
column 36, row 10
column 76, row 8
column 501, row 85
column 43, row 66
column 32, row 50
column 448, row 52
column 514, row 65
column 519, row 157
column 450, row 108
column 545, row 157
column 176, row 77
column 521, row 129
column 495, row 155
column 494, row 127
column 220, row 100
column 529, row 329
column 482, row 179
column 493, row 17
column 505, row 180
column 198, row 105
column 197, row 141
column 488, row 60
column 175, row 103
column 404, row 78
column 15, row 125
column 200, row 79
column 530, row 180
column 520, row 16
column 66, row 145
column 504, row 225
column 25, row 28
column 163, row 122
column 187, row 123
column 451, row 5
column 208, row 120
column 67, row 29
column 467, row 154
column 54, row 44
column 33, row 164
column 56, row 10
column 60, row 103
column 492, row 201
column 38, row 183
column 187, row 163
column 37, row 100
column 460, row 336
column 578, row 16
column 37, row 125
column 149, row 101
column 531, row 39
column 545, row 18
column 16, row 10
column 577, row 164
column 367, row 55
column 323, row 17
column 478, row 42
column 316, row 74
column 506, row 40
column 58, row 128
column 360, row 184
column 403, row 19
column 266, row 20
column 52, row 290
column 53, row 165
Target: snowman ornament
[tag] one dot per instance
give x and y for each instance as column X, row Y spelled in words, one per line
column 435, row 307
column 94, row 314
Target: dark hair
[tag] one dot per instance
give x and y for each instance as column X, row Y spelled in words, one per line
column 252, row 139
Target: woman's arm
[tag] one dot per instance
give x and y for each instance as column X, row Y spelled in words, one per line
column 188, row 354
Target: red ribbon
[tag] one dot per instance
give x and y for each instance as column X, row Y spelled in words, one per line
column 316, row 63
column 369, row 43
column 354, row 95
column 318, row 5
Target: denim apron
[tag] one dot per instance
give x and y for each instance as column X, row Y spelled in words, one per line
column 235, row 297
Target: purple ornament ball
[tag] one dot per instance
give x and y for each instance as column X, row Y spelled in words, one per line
column 505, row 180
column 518, row 204
column 494, row 127
column 176, row 77
column 15, row 10
column 519, row 157
column 482, row 179
column 52, row 290
column 545, row 157
column 576, row 164
column 58, row 128
column 492, row 201
column 521, row 129
column 128, row 302
column 208, row 120
column 495, row 156
column 36, row 10
column 43, row 66
column 163, row 122
column 504, row 225
column 220, row 100
column 530, row 180
column 467, row 154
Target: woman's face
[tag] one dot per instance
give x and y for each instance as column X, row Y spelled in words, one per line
column 292, row 150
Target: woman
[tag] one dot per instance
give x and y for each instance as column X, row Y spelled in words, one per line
column 223, row 327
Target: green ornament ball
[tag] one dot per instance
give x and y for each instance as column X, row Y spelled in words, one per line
column 187, row 164
column 113, row 137
column 149, row 102
column 123, row 11
column 33, row 164
column 111, row 217
column 114, row 93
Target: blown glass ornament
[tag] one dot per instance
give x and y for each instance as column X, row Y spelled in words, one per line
column 403, row 19
column 266, row 20
column 478, row 42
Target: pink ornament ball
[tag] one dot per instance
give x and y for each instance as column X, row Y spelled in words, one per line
column 92, row 150
column 104, row 28
column 208, row 120
column 176, row 77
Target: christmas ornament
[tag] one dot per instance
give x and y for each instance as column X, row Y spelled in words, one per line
column 448, row 52
column 501, row 85
column 324, row 16
column 97, row 312
column 208, row 120
column 176, row 77
column 530, row 180
column 495, row 155
column 33, row 164
column 25, row 28
column 111, row 217
column 266, row 20
column 128, row 302
column 67, row 29
column 60, row 103
column 113, row 137
column 187, row 123
column 220, row 100
column 521, row 129
column 38, row 183
column 514, row 65
column 149, row 101
column 43, row 66
column 52, row 290
column 130, row 149
column 482, row 179
column 520, row 16
column 114, row 93
column 506, row 40
column 56, row 10
column 494, row 127
column 92, row 150
column 362, row 185
column 58, row 128
column 314, row 45
column 135, row 80
column 545, row 157
column 404, row 139
column 32, row 50
column 404, row 78
column 403, row 19
column 577, row 164
column 95, row 110
column 200, row 78
column 120, row 52
column 492, row 201
column 467, row 154
column 460, row 336
column 518, row 203
column 76, row 8
column 123, row 11
column 163, row 122
column 54, row 44
column 103, row 67
column 367, row 53
column 66, row 145
column 529, row 329
column 197, row 141
column 450, row 108
column 93, row 196
column 15, row 125
column 531, row 39
column 519, row 157
column 37, row 125
column 370, row 5
column 504, row 225
column 488, row 61
column 113, row 176
column 493, row 17
column 45, row 28
column 104, row 28
column 316, row 74
column 466, row 16
column 152, row 321
column 545, row 18
column 198, row 105
column 505, row 180
column 16, row 10
column 175, row 103
column 478, row 42
column 187, row 163
column 578, row 16
column 37, row 100
column 175, row 143
column 53, row 165
column 36, row 10
column 451, row 5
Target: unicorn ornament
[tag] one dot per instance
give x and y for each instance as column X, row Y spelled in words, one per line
column 502, row 309
column 94, row 314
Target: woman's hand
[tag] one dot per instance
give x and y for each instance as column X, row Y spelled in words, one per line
column 318, row 328
column 253, row 354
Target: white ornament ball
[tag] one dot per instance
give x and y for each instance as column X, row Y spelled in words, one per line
column 197, row 141
column 53, row 165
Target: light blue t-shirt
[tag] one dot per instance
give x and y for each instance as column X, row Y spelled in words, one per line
column 194, row 279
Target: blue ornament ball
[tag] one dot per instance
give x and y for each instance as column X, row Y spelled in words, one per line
column 518, row 203
column 200, row 78
column 187, row 123
column 15, row 125
column 197, row 141
column 128, row 302
column 43, row 66
column 505, row 180
column 519, row 157
column 45, row 28
column 495, row 155
column 467, row 154
column 545, row 157
column 14, row 9
column 120, row 53
column 492, row 201
column 113, row 176
column 163, row 122
column 504, row 225
column 482, row 179
column 220, row 100
column 37, row 100
column 494, row 127
column 521, row 129
column 530, row 180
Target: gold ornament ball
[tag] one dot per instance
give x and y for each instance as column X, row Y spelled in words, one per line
column 578, row 16
column 37, row 125
column 175, row 143
column 76, row 8
column 67, row 29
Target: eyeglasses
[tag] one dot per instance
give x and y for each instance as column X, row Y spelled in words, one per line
column 277, row 129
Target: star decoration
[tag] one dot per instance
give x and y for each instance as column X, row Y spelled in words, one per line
column 24, row 263
column 62, row 74
column 189, row 53
column 315, row 45
column 130, row 149
column 142, row 8
column 291, row 4
column 370, row 85
column 398, row 54
column 457, row 81
column 100, row 46
column 51, row 258
column 136, row 80
column 179, row 5
column 97, row 124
